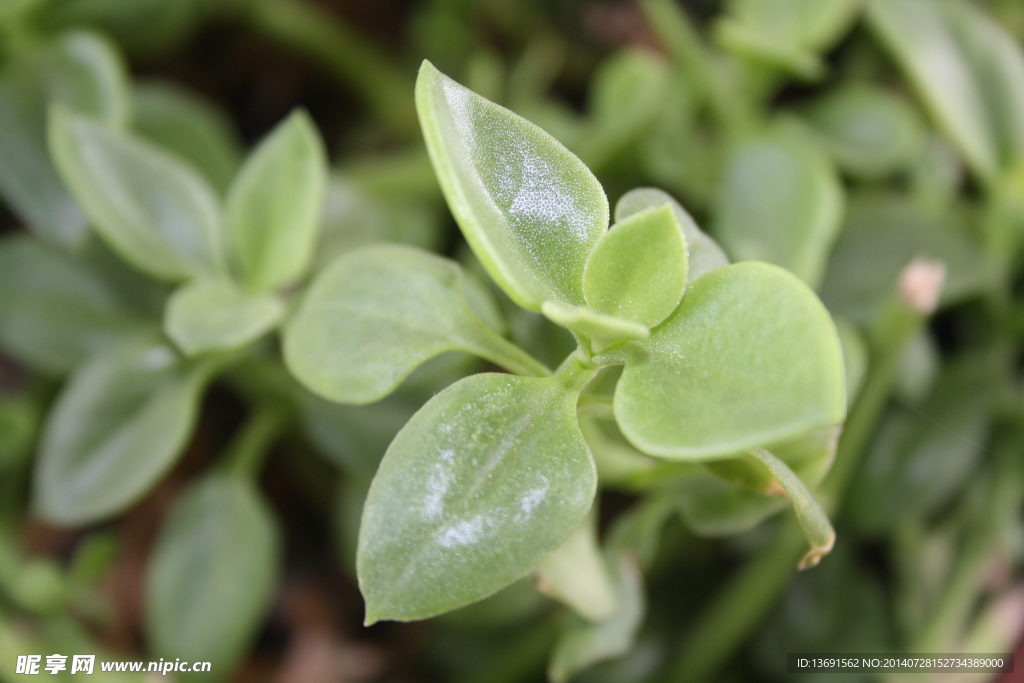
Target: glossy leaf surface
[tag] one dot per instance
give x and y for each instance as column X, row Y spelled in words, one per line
column 154, row 210
column 375, row 315
column 780, row 202
column 116, row 428
column 750, row 357
column 638, row 269
column 275, row 204
column 208, row 315
column 529, row 209
column 490, row 476
column 212, row 573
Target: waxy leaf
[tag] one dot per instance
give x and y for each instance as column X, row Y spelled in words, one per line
column 378, row 313
column 922, row 42
column 750, row 357
column 575, row 574
column 54, row 311
column 490, row 476
column 530, row 210
column 116, row 428
column 638, row 269
column 153, row 209
column 868, row 130
column 189, row 127
column 703, row 253
column 81, row 71
column 275, row 203
column 207, row 315
column 601, row 329
column 780, row 202
column 212, row 573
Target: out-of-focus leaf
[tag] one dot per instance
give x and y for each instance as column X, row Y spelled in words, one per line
column 153, row 209
column 918, row 368
column 19, row 419
column 142, row 26
column 868, row 130
column 575, row 574
column 530, row 210
column 855, row 357
column 275, row 203
column 116, row 428
column 881, row 236
column 750, row 357
column 190, row 127
column 82, row 72
column 211, row 315
column 212, row 573
column 781, row 202
column 712, row 507
column 54, row 311
column 491, row 475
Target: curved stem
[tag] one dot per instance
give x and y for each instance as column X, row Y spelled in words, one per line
column 500, row 351
column 250, row 446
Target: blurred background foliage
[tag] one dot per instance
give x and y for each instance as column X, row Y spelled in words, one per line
column 841, row 139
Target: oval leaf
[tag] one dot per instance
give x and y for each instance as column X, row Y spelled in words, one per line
column 750, row 357
column 491, row 475
column 703, row 253
column 780, row 202
column 377, row 314
column 116, row 428
column 275, row 203
column 212, row 573
column 157, row 212
column 529, row 209
column 207, row 315
column 638, row 269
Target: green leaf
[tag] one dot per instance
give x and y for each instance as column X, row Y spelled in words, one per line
column 530, row 210
column 638, row 269
column 812, row 518
column 189, row 127
column 81, row 71
column 601, row 329
column 275, row 203
column 153, row 209
column 141, row 26
column 869, row 131
column 490, row 476
column 883, row 233
column 575, row 574
column 855, row 357
column 920, row 39
column 703, row 253
column 116, row 428
column 780, row 202
column 210, row 315
column 582, row 644
column 19, row 420
column 750, row 357
column 379, row 312
column 54, row 311
column 212, row 573
column 715, row 508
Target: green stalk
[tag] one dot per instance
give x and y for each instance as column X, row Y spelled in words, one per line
column 303, row 26
column 500, row 351
column 249, row 448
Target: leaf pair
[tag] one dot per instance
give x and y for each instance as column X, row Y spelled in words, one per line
column 160, row 215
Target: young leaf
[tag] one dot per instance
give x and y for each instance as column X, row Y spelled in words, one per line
column 750, row 357
column 812, row 518
column 117, row 427
column 54, row 311
column 154, row 210
column 212, row 573
column 530, row 210
column 921, row 41
column 582, row 644
column 780, row 202
column 189, row 127
column 379, row 312
column 703, row 253
column 575, row 574
column 490, row 476
column 209, row 315
column 600, row 328
column 275, row 203
column 638, row 269
column 81, row 71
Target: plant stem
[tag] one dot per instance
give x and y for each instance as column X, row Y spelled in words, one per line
column 305, row 27
column 500, row 351
column 250, row 446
